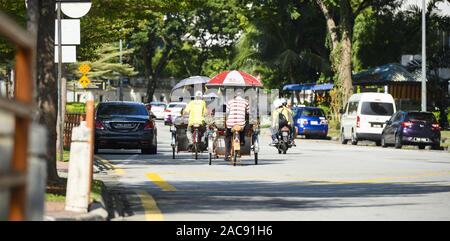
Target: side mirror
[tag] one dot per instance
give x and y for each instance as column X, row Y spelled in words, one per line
column 388, row 122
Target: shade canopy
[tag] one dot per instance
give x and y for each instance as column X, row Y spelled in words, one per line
column 193, row 80
column 234, row 78
column 314, row 87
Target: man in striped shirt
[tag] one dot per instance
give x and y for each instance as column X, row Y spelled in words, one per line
column 237, row 110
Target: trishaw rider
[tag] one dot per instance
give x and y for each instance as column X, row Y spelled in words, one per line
column 237, row 110
column 197, row 113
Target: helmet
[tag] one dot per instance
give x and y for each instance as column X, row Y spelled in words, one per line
column 198, row 95
column 277, row 103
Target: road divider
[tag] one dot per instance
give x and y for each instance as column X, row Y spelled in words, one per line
column 160, row 182
column 152, row 212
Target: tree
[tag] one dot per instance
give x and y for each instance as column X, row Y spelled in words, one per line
column 284, row 42
column 340, row 18
column 41, row 16
column 107, row 66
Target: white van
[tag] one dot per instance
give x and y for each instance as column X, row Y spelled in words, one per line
column 364, row 117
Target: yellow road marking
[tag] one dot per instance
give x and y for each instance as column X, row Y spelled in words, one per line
column 152, row 212
column 155, row 178
column 280, row 178
column 117, row 169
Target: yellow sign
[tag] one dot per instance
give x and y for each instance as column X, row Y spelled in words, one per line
column 84, row 81
column 84, row 69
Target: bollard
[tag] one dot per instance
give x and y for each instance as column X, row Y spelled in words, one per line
column 37, row 173
column 79, row 177
column 90, row 125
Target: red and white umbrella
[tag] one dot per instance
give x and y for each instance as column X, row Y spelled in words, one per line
column 234, row 78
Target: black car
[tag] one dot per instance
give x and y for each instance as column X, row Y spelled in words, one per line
column 125, row 125
column 412, row 128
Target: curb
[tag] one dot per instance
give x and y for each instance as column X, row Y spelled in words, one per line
column 98, row 213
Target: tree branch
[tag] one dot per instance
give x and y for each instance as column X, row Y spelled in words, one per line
column 331, row 24
column 362, row 6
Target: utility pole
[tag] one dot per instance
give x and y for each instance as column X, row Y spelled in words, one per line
column 424, row 58
column 60, row 89
column 120, row 76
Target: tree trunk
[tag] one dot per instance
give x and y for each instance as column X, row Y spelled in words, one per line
column 151, row 86
column 345, row 60
column 345, row 69
column 46, row 83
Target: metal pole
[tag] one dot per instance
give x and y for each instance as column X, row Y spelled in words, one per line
column 61, row 117
column 424, row 58
column 120, row 76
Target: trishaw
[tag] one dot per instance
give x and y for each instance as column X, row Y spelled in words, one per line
column 179, row 126
column 216, row 133
column 179, row 139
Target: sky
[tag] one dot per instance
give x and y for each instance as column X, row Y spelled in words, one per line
column 443, row 7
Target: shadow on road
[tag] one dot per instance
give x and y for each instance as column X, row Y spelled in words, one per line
column 207, row 196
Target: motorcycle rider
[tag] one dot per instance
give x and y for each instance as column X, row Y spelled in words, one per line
column 197, row 112
column 282, row 116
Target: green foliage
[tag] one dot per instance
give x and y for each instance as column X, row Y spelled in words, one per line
column 16, row 11
column 107, row 66
column 75, row 108
column 284, row 41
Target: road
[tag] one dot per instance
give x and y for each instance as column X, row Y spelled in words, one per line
column 317, row 180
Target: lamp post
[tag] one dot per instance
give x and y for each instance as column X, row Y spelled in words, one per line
column 120, row 76
column 424, row 58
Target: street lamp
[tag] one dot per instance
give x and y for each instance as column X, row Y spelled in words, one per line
column 424, row 58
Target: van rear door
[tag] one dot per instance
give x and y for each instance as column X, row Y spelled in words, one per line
column 373, row 116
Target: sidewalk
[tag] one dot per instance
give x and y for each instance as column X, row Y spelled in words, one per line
column 54, row 210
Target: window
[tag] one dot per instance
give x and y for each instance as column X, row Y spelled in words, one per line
column 377, row 108
column 177, row 106
column 397, row 117
column 353, row 108
column 419, row 116
column 313, row 113
column 158, row 104
column 120, row 109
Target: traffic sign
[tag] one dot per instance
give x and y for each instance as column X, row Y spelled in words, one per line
column 84, row 81
column 84, row 69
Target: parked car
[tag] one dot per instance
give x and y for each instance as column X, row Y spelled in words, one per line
column 310, row 122
column 158, row 109
column 412, row 128
column 125, row 125
column 365, row 116
column 172, row 111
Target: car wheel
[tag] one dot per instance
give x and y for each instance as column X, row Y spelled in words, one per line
column 398, row 142
column 383, row 141
column 354, row 139
column 436, row 146
column 151, row 151
column 342, row 138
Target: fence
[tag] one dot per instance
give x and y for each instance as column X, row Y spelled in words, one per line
column 71, row 121
column 13, row 177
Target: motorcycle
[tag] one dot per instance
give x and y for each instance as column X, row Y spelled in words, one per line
column 284, row 140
